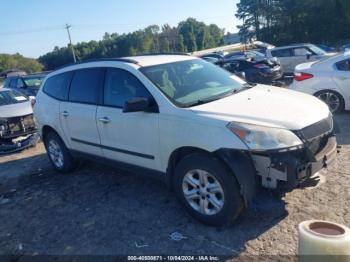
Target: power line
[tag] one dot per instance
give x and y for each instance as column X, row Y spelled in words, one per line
column 34, row 30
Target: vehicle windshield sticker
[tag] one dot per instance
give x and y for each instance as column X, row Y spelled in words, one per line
column 20, row 98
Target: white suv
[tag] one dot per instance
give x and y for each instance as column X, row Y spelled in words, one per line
column 209, row 135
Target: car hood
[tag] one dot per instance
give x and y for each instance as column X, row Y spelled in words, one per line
column 267, row 106
column 13, row 110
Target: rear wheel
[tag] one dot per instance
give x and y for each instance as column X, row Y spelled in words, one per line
column 207, row 190
column 333, row 99
column 58, row 153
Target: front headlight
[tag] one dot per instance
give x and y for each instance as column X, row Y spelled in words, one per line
column 264, row 138
column 3, row 129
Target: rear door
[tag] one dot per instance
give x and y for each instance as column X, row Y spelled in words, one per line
column 131, row 138
column 78, row 114
column 303, row 55
column 286, row 58
column 342, row 78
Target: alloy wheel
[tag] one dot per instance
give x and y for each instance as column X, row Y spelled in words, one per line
column 331, row 99
column 203, row 192
column 56, row 154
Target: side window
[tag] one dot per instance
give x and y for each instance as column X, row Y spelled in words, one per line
column 86, row 85
column 121, row 86
column 282, row 53
column 302, row 51
column 13, row 83
column 19, row 83
column 7, row 82
column 343, row 65
column 57, row 86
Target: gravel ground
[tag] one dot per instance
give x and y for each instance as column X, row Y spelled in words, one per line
column 100, row 211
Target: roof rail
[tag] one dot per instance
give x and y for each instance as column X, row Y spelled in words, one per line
column 117, row 59
column 164, row 53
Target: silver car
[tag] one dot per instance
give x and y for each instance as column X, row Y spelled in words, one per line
column 293, row 55
column 17, row 127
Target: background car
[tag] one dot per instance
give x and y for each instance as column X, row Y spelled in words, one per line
column 210, row 56
column 345, row 47
column 213, row 60
column 17, row 127
column 328, row 79
column 293, row 55
column 255, row 67
column 27, row 85
column 327, row 48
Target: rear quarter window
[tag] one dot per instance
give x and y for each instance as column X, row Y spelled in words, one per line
column 343, row 65
column 57, row 86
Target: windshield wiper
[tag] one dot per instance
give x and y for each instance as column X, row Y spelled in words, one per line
column 232, row 92
column 248, row 85
column 208, row 100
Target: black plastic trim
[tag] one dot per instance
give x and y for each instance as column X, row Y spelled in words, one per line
column 242, row 166
column 121, row 165
column 114, row 149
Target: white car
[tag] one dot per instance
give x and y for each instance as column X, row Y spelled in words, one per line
column 207, row 134
column 328, row 79
column 293, row 55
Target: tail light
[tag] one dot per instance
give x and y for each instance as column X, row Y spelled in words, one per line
column 261, row 66
column 302, row 76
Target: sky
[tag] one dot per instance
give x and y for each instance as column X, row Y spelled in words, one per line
column 34, row 27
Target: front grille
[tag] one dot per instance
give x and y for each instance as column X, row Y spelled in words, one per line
column 321, row 128
column 19, row 125
column 315, row 137
column 317, row 144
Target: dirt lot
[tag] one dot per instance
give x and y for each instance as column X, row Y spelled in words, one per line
column 100, row 211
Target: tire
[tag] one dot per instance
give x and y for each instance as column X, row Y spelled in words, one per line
column 58, row 153
column 327, row 96
column 227, row 205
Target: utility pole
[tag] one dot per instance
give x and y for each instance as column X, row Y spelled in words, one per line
column 70, row 41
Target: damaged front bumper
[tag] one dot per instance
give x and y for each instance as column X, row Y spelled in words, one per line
column 17, row 133
column 290, row 168
column 18, row 143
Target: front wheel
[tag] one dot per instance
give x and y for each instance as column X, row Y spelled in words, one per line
column 207, row 190
column 333, row 99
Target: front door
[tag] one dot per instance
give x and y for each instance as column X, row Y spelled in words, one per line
column 131, row 138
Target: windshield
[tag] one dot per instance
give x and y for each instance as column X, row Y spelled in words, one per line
column 9, row 97
column 191, row 82
column 317, row 50
column 33, row 81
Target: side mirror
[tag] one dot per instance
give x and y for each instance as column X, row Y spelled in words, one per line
column 138, row 104
column 308, row 56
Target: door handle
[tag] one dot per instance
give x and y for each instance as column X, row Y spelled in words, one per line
column 105, row 120
column 65, row 113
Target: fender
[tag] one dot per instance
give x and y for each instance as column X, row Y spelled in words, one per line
column 241, row 164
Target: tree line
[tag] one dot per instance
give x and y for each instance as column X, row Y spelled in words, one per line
column 18, row 61
column 283, row 22
column 188, row 36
